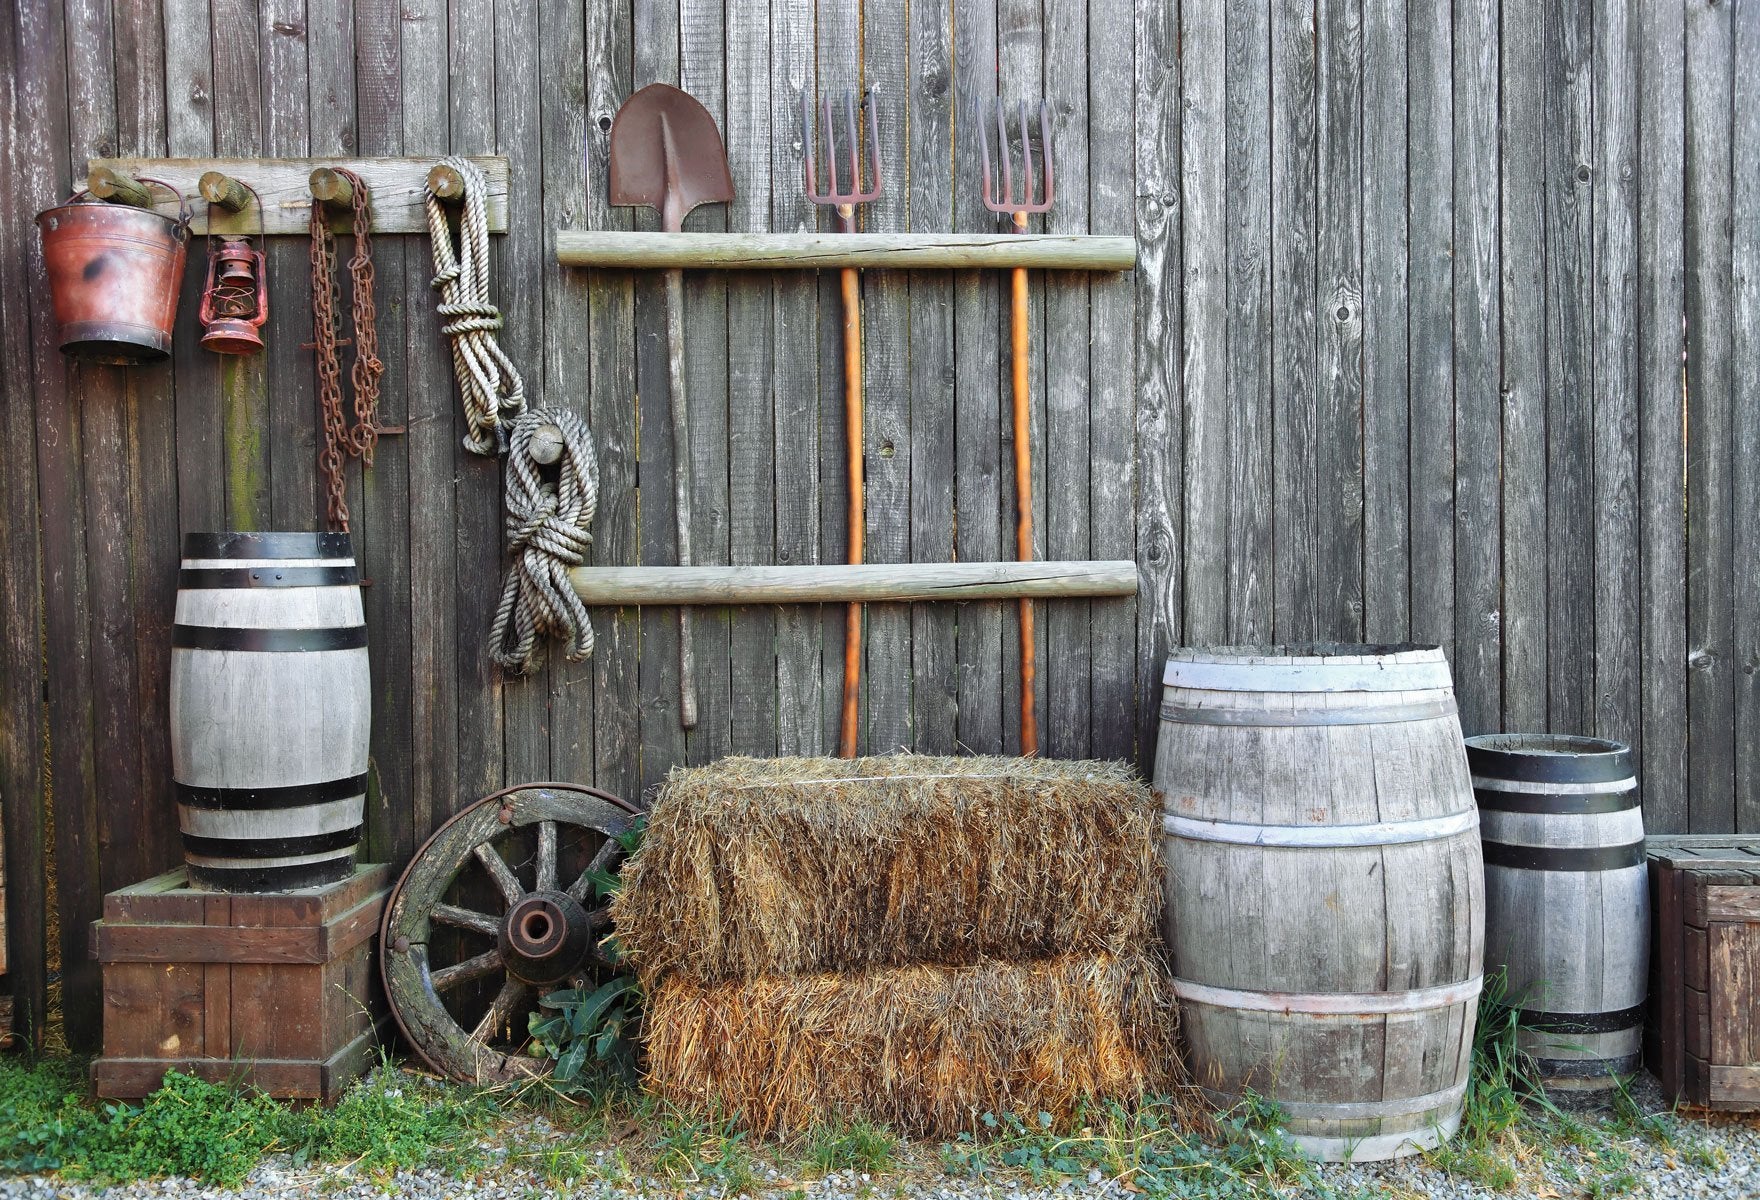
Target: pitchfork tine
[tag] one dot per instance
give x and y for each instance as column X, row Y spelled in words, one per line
column 1002, row 152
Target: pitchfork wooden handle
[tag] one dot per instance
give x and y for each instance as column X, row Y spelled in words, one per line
column 681, row 486
column 852, row 418
column 1023, row 486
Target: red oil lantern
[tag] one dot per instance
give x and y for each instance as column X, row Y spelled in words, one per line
column 236, row 301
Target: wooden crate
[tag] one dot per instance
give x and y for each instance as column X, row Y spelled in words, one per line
column 278, row 990
column 1703, row 1037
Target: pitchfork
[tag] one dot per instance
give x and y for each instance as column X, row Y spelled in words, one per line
column 845, row 198
column 1017, row 208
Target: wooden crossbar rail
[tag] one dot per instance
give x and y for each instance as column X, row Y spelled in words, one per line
column 862, row 583
column 812, row 251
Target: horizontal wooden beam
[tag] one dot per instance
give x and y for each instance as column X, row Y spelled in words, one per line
column 811, row 251
column 853, row 584
column 398, row 187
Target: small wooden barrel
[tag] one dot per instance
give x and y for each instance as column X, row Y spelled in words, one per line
column 1325, row 896
column 270, row 701
column 1567, row 903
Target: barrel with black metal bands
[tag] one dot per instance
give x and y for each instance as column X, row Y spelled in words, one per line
column 1567, row 897
column 1324, row 888
column 270, row 701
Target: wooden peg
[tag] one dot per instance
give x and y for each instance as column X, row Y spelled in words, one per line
column 217, row 187
column 546, row 445
column 330, row 188
column 446, row 183
column 107, row 183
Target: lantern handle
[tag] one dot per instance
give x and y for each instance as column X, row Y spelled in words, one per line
column 262, row 216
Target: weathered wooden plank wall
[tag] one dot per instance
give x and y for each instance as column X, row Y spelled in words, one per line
column 1441, row 331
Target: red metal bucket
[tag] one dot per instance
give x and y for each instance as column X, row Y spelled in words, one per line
column 114, row 272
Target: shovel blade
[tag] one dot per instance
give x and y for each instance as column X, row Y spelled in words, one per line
column 667, row 154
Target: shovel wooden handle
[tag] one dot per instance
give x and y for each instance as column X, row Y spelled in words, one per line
column 681, row 486
column 852, row 426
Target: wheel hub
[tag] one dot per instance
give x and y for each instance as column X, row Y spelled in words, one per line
column 545, row 937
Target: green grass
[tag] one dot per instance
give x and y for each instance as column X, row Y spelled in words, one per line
column 858, row 1146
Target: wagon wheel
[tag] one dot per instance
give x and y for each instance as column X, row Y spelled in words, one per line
column 496, row 909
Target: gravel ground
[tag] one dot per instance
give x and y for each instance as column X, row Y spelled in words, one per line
column 1693, row 1159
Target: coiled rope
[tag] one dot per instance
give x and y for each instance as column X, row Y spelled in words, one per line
column 547, row 534
column 493, row 390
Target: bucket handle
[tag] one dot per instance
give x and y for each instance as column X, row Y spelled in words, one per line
column 183, row 214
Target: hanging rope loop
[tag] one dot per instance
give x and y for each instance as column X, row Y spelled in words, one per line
column 547, row 534
column 493, row 391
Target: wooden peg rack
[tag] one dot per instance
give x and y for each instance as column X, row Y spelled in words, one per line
column 397, row 186
column 860, row 583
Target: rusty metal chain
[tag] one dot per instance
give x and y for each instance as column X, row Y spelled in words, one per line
column 340, row 441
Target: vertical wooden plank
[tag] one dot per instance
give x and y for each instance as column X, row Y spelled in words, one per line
column 702, row 71
column 1249, row 465
column 1710, row 602
column 1124, row 165
column 1204, row 233
column 886, row 365
column 293, row 425
column 199, row 460
column 150, row 398
column 244, row 381
column 1293, row 383
column 1524, row 532
column 1569, row 249
column 1338, row 295
column 44, row 174
column 523, row 274
column 22, row 797
column 750, row 445
column 929, row 141
column 1661, row 485
column 471, row 57
column 1745, row 434
column 1067, row 664
column 426, row 97
column 1615, row 408
column 655, row 60
column 978, row 311
column 1478, row 365
column 1431, row 265
column 1387, row 564
column 566, row 350
column 382, row 540
column 801, row 685
column 620, row 663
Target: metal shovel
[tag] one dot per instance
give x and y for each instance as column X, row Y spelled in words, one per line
column 667, row 154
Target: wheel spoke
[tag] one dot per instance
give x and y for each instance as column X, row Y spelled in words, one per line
column 464, row 918
column 503, row 874
column 500, row 1010
column 581, row 888
column 546, row 856
column 471, row 968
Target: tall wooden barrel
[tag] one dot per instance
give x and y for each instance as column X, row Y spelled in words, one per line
column 1325, row 896
column 1567, row 902
column 270, row 702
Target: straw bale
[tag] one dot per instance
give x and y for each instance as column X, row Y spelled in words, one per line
column 756, row 867
column 925, row 1050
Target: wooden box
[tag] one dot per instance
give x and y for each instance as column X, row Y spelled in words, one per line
column 1702, row 1040
column 278, row 990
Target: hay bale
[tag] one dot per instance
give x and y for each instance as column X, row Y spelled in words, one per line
column 925, row 1050
column 757, row 867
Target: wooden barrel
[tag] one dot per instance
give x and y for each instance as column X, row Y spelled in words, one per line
column 1567, row 902
column 270, row 702
column 1325, row 896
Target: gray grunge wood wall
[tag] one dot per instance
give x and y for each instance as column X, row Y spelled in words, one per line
column 1443, row 329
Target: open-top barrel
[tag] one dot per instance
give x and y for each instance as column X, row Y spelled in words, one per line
column 270, row 701
column 1325, row 895
column 1567, row 901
